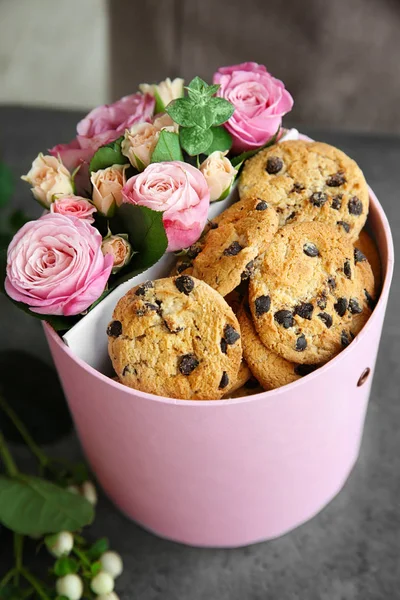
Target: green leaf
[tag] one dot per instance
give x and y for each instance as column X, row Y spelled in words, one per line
column 98, row 548
column 213, row 89
column 167, row 148
column 195, row 140
column 197, row 85
column 10, row 592
column 238, row 160
column 222, row 140
column 95, row 568
column 65, row 565
column 180, row 111
column 109, row 155
column 202, row 115
column 80, row 473
column 160, row 106
column 34, row 506
column 6, row 184
column 222, row 110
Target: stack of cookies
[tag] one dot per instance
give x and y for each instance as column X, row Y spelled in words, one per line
column 278, row 284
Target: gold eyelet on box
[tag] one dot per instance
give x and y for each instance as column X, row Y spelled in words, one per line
column 364, row 376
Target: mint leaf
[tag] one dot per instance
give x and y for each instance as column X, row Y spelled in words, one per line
column 222, row 110
column 222, row 140
column 180, row 111
column 109, row 155
column 213, row 89
column 195, row 140
column 238, row 160
column 202, row 115
column 167, row 148
column 197, row 85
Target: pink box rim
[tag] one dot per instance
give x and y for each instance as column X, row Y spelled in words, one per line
column 270, row 394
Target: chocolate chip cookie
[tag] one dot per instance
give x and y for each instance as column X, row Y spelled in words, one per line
column 309, row 181
column 310, row 295
column 175, row 337
column 366, row 246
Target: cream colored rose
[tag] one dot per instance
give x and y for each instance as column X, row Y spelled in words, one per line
column 49, row 179
column 164, row 92
column 219, row 174
column 119, row 248
column 107, row 186
column 141, row 139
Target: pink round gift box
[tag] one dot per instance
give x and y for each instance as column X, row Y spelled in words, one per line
column 230, row 472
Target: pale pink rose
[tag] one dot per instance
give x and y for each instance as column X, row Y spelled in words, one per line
column 141, row 139
column 107, row 188
column 55, row 265
column 119, row 248
column 179, row 191
column 106, row 123
column 49, row 178
column 219, row 174
column 73, row 156
column 74, row 206
column 260, row 102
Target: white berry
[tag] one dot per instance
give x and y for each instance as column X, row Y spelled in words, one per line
column 60, row 544
column 111, row 563
column 112, row 596
column 89, row 492
column 102, row 583
column 70, row 586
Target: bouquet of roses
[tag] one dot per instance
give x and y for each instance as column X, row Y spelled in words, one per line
column 136, row 182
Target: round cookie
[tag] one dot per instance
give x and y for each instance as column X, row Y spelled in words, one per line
column 270, row 369
column 175, row 337
column 309, row 181
column 245, row 390
column 243, row 376
column 242, row 232
column 309, row 293
column 367, row 246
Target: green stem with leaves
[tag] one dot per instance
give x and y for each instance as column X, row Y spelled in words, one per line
column 7, row 459
column 35, row 583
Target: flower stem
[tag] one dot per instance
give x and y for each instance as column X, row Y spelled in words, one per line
column 18, row 553
column 8, row 460
column 35, row 583
column 29, row 441
column 7, row 577
column 82, row 556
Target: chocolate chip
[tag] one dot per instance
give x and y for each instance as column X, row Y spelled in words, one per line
column 345, row 339
column 304, row 310
column 310, row 250
column 326, row 319
column 347, row 269
column 248, row 271
column 331, row 282
column 143, row 288
column 318, row 199
column 336, row 180
column 355, row 206
column 343, row 224
column 262, row 205
column 304, row 370
column 284, row 318
column 251, row 383
column 274, row 165
column 340, row 306
column 187, row 363
column 291, row 216
column 337, row 202
column 183, row 266
column 171, row 328
column 262, row 305
column 213, row 225
column 233, row 249
column 185, row 284
column 231, row 335
column 354, row 306
column 150, row 306
column 359, row 256
column 370, row 301
column 193, row 251
column 301, row 343
column 297, row 187
column 321, row 300
column 224, row 346
column 224, row 381
column 126, row 370
column 114, row 329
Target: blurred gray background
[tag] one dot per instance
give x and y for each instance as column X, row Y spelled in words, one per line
column 340, row 60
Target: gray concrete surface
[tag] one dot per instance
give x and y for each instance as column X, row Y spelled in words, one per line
column 351, row 550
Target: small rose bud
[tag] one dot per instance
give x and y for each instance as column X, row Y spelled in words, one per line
column 60, row 544
column 107, row 188
column 141, row 139
column 89, row 492
column 48, row 178
column 164, row 92
column 219, row 174
column 112, row 596
column 102, row 583
column 119, row 248
column 111, row 563
column 70, row 586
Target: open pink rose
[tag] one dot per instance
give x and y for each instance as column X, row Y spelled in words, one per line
column 180, row 191
column 74, row 206
column 55, row 265
column 260, row 102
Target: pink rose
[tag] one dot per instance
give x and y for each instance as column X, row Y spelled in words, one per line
column 260, row 102
column 55, row 265
column 180, row 191
column 74, row 206
column 106, row 123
